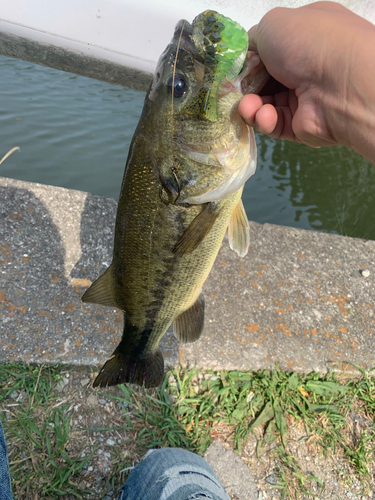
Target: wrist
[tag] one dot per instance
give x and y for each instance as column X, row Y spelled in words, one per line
column 349, row 93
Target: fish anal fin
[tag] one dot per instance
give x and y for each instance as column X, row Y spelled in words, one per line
column 197, row 230
column 120, row 369
column 238, row 231
column 188, row 326
column 102, row 290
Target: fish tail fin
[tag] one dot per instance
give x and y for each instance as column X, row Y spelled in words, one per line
column 119, row 369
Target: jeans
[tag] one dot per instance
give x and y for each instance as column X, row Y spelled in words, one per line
column 172, row 474
column 165, row 474
column 5, row 489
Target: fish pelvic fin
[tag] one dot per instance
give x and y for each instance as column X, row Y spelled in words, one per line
column 119, row 370
column 197, row 230
column 188, row 326
column 238, row 231
column 102, row 291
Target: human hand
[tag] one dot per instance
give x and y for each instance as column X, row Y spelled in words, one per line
column 314, row 54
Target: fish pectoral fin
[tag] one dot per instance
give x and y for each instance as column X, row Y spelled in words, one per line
column 120, row 369
column 198, row 229
column 188, row 326
column 102, row 290
column 238, row 231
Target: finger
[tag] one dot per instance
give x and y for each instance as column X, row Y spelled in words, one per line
column 253, row 38
column 282, row 99
column 268, row 99
column 283, row 128
column 293, row 102
column 266, row 120
column 249, row 106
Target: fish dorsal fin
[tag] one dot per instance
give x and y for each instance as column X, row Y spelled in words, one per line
column 102, row 290
column 188, row 326
column 238, row 231
column 198, row 229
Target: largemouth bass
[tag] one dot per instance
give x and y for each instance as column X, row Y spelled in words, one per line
column 188, row 161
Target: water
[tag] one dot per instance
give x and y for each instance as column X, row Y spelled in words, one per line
column 75, row 132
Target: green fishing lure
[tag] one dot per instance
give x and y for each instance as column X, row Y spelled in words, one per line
column 223, row 43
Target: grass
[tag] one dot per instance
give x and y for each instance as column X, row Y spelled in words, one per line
column 292, row 479
column 50, row 457
column 273, row 401
column 38, row 433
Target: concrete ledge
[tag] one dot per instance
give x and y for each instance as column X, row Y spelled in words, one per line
column 75, row 61
column 298, row 298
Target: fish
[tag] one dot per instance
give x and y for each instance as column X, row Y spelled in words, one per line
column 181, row 192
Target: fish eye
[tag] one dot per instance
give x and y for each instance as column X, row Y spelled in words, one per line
column 180, row 85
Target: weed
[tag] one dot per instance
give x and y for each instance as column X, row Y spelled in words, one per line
column 42, row 460
column 270, row 401
column 49, row 455
column 292, row 480
column 152, row 418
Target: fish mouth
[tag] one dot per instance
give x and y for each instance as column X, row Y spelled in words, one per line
column 217, row 47
column 183, row 35
column 183, row 40
column 223, row 44
column 253, row 75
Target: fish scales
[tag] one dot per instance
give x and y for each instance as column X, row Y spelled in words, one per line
column 151, row 274
column 181, row 191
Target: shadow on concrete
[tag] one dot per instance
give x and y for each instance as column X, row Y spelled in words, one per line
column 33, row 289
column 43, row 318
column 96, row 236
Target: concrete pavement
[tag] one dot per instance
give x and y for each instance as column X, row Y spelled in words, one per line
column 299, row 298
